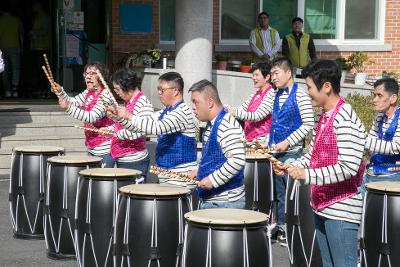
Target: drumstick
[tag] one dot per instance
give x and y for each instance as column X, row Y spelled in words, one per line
column 267, row 154
column 51, row 81
column 95, row 130
column 106, row 105
column 172, row 175
column 107, row 88
column 48, row 67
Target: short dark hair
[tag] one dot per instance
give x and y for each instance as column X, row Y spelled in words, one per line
column 101, row 67
column 390, row 85
column 173, row 77
column 126, row 79
column 322, row 71
column 263, row 13
column 283, row 63
column 263, row 66
column 297, row 19
column 207, row 87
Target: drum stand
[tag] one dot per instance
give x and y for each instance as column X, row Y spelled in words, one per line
column 21, row 199
column 384, row 246
column 294, row 195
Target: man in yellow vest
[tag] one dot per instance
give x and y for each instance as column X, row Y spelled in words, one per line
column 264, row 40
column 298, row 46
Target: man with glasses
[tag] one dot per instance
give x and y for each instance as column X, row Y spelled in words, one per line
column 174, row 126
column 264, row 40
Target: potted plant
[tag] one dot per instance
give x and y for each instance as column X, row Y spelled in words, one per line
column 357, row 61
column 342, row 63
column 246, row 66
column 150, row 56
column 222, row 61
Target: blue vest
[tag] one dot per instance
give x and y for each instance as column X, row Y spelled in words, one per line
column 285, row 119
column 175, row 148
column 212, row 158
column 385, row 164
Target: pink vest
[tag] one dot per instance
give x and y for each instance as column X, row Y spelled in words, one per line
column 95, row 139
column 325, row 153
column 119, row 147
column 255, row 129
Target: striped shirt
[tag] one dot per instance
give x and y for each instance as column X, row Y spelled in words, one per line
column 77, row 111
column 350, row 137
column 229, row 136
column 180, row 119
column 303, row 100
column 268, row 48
column 142, row 108
column 263, row 110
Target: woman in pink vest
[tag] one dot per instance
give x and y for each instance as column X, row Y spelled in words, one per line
column 256, row 111
column 334, row 167
column 89, row 108
column 128, row 148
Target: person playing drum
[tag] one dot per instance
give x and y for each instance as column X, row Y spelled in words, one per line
column 333, row 167
column 220, row 172
column 128, row 148
column 383, row 140
column 256, row 111
column 175, row 126
column 292, row 120
column 88, row 107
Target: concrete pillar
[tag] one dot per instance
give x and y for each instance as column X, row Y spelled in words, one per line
column 193, row 40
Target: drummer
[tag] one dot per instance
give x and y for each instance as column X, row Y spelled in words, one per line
column 292, row 120
column 256, row 111
column 88, row 107
column 220, row 173
column 174, row 126
column 333, row 167
column 383, row 140
column 128, row 148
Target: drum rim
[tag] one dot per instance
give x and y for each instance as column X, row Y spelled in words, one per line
column 371, row 187
column 98, row 173
column 38, row 149
column 180, row 191
column 198, row 217
column 64, row 158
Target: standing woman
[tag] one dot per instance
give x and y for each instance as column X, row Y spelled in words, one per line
column 89, row 108
column 128, row 148
column 256, row 111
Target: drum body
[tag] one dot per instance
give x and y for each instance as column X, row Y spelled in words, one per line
column 300, row 227
column 27, row 189
column 223, row 242
column 59, row 209
column 380, row 222
column 259, row 185
column 149, row 225
column 95, row 209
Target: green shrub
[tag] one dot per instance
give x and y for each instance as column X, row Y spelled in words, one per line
column 362, row 105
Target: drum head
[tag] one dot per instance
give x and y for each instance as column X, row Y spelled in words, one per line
column 154, row 190
column 109, row 173
column 227, row 217
column 255, row 156
column 71, row 159
column 384, row 187
column 39, row 149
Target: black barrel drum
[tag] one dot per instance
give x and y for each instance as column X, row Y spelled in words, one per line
column 27, row 188
column 149, row 227
column 59, row 209
column 226, row 238
column 380, row 242
column 300, row 227
column 259, row 185
column 95, row 209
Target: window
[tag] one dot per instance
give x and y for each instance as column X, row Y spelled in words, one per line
column 281, row 14
column 320, row 18
column 363, row 23
column 237, row 18
column 167, row 20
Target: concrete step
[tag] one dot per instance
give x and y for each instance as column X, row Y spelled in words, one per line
column 13, row 141
column 41, row 130
column 35, row 117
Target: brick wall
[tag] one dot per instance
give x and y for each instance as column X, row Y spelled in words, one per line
column 123, row 43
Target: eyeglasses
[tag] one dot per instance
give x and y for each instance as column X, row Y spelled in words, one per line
column 89, row 74
column 162, row 90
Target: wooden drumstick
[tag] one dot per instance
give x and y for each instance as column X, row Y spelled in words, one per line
column 50, row 80
column 110, row 133
column 106, row 105
column 107, row 88
column 172, row 175
column 48, row 67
